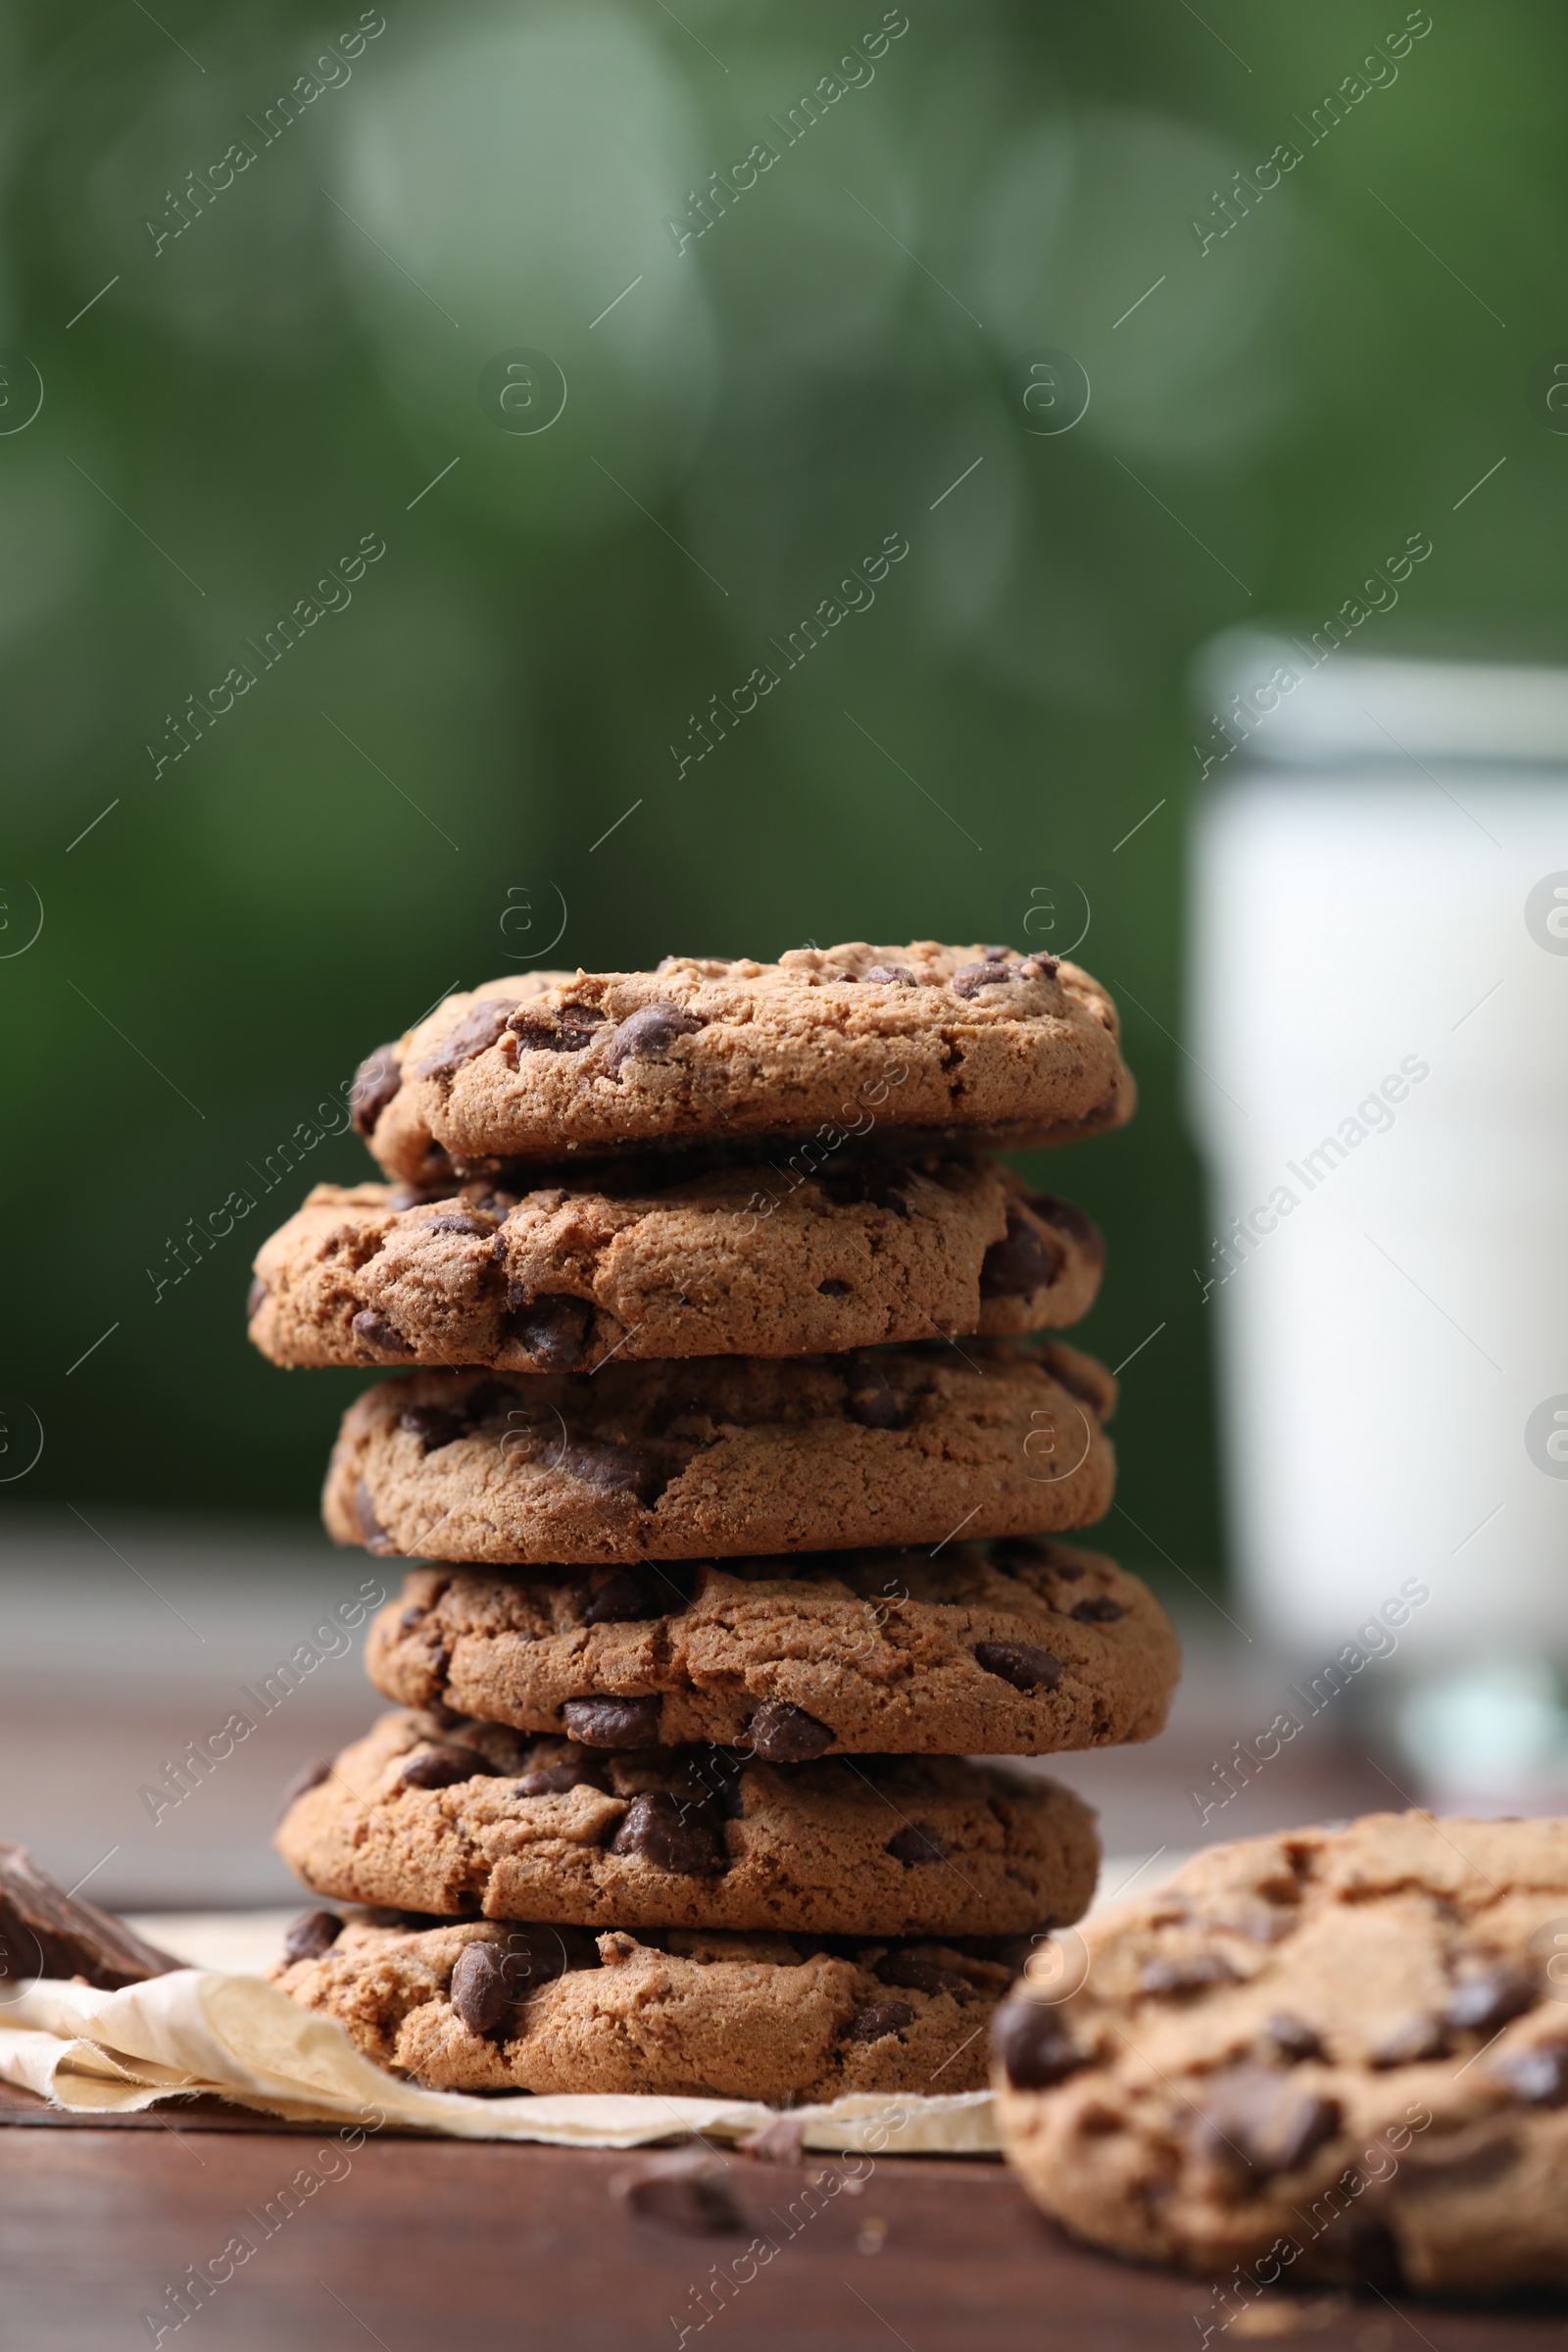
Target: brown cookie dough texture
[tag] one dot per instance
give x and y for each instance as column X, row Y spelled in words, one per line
column 837, row 1042
column 450, row 1816
column 724, row 1455
column 1329, row 2054
column 1013, row 1648
column 490, row 2006
column 736, row 1262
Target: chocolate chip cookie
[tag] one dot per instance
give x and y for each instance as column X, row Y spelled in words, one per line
column 736, row 1262
column 828, row 1042
column 1328, row 2054
column 721, row 1453
column 440, row 1814
column 1013, row 1648
column 492, row 2006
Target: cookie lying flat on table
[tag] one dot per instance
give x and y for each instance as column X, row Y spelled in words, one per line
column 1329, row 2054
column 743, row 1260
column 1021, row 1647
column 444, row 1815
column 723, row 1454
column 492, row 2006
column 845, row 1040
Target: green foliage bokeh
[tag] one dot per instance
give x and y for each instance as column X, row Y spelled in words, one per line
column 435, row 765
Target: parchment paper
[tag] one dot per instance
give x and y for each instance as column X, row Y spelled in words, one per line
column 205, row 2030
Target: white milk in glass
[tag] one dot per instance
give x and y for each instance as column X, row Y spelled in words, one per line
column 1377, row 1027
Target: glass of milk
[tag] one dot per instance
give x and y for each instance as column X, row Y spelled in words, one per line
column 1378, row 1035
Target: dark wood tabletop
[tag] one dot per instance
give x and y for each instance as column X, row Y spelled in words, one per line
column 415, row 2245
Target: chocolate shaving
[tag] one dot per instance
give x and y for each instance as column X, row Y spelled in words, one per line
column 478, row 1028
column 46, row 1932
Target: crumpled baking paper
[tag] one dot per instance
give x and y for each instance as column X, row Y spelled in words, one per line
column 205, row 2030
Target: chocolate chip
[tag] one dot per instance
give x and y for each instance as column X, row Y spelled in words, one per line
column 1539, row 2076
column 1039, row 967
column 444, row 1766
column 432, row 1425
column 615, row 1469
column 1070, row 1219
column 1481, row 2003
column 868, row 1397
column 1098, row 1609
column 892, row 975
column 916, row 1843
column 1264, row 2122
column 1020, row 1664
column 878, row 2019
column 996, row 955
column 308, row 1775
column 1411, row 2040
column 578, row 1022
column 920, row 1975
column 458, row 1221
column 1022, row 1262
column 478, row 1028
column 669, row 1834
column 375, row 1082
column 831, row 1288
column 374, row 1533
column 553, row 1327
column 254, row 1303
column 616, row 1597
column 687, row 2191
column 781, row 1734
column 311, row 1935
column 374, row 1331
column 972, row 977
column 613, row 1721
column 1033, row 2044
column 1293, row 2037
column 647, row 1034
column 1189, row 1972
column 539, row 1032
column 479, row 1992
column 554, row 1780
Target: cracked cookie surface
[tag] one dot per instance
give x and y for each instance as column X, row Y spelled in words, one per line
column 723, row 1455
column 845, row 1040
column 488, row 2006
column 1014, row 1648
column 1329, row 2054
column 741, row 1260
column 443, row 1815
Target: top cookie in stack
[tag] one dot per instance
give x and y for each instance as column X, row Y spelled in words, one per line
column 978, row 1042
column 691, row 1273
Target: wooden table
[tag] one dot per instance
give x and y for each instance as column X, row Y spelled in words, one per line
column 480, row 2247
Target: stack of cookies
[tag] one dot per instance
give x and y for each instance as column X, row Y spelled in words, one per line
column 735, row 1487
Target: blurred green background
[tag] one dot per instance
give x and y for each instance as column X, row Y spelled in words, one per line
column 432, row 766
